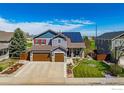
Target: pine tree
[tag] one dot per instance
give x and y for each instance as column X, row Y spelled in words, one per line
column 18, row 43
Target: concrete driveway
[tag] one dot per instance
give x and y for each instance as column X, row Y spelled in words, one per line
column 37, row 73
column 50, row 73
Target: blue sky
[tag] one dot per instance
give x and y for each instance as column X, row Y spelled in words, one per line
column 35, row 18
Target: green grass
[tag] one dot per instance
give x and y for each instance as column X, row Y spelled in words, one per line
column 90, row 68
column 7, row 63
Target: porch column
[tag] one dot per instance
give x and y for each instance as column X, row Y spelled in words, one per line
column 69, row 52
column 82, row 53
column 31, row 56
column 72, row 54
column 53, row 57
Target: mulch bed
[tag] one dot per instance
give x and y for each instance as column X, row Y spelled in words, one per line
column 69, row 70
column 13, row 68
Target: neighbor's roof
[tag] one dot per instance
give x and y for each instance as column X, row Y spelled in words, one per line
column 75, row 37
column 110, row 35
column 5, row 36
column 2, row 46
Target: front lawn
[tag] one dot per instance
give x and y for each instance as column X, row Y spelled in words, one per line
column 90, row 68
column 7, row 63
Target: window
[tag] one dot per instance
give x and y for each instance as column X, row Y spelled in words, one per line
column 39, row 41
column 36, row 41
column 59, row 40
column 43, row 41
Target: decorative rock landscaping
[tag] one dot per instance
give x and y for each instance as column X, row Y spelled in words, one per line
column 12, row 68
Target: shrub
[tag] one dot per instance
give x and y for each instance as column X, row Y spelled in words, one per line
column 76, row 61
column 29, row 44
column 1, row 69
column 69, row 66
column 116, row 70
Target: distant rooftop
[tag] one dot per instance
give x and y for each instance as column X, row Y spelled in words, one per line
column 5, row 36
column 110, row 35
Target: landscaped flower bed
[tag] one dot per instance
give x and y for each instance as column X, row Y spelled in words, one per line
column 12, row 69
column 70, row 67
column 4, row 64
column 76, row 61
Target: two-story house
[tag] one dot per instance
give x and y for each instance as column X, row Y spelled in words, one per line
column 56, row 46
column 108, row 42
column 5, row 38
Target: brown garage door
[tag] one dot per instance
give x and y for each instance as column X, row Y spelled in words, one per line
column 59, row 57
column 41, row 57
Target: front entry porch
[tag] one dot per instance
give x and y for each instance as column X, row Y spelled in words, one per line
column 75, row 52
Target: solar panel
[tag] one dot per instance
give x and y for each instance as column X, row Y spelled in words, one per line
column 74, row 36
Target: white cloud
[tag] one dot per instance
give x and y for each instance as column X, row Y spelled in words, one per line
column 2, row 20
column 38, row 27
column 74, row 21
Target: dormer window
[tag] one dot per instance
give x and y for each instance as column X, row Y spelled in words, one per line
column 59, row 40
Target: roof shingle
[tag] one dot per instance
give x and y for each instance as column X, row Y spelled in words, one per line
column 5, row 36
column 110, row 35
column 75, row 37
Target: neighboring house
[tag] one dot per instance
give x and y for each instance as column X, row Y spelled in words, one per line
column 121, row 61
column 56, row 46
column 109, row 41
column 5, row 38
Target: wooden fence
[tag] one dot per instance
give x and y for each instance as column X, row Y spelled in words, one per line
column 101, row 57
column 24, row 56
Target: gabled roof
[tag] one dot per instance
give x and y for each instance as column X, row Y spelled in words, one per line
column 58, row 47
column 75, row 37
column 55, row 33
column 5, row 36
column 60, row 35
column 111, row 35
